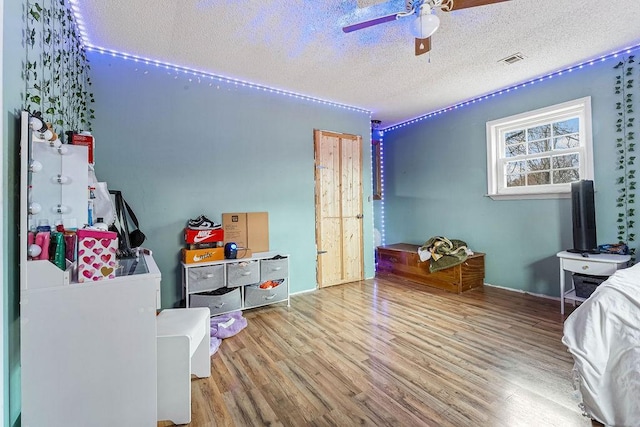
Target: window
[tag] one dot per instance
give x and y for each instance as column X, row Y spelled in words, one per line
column 539, row 154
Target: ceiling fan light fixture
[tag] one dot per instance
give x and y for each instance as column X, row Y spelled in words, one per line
column 425, row 24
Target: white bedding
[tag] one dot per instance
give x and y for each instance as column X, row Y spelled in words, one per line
column 603, row 335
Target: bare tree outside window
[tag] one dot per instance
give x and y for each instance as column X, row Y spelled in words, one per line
column 543, row 139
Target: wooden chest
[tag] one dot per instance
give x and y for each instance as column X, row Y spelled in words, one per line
column 402, row 259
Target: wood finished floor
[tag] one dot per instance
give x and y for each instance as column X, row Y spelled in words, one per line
column 389, row 352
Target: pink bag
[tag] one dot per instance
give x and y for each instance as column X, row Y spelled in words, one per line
column 96, row 255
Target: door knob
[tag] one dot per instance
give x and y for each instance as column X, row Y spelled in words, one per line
column 359, row 216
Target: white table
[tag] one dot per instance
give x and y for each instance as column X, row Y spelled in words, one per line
column 590, row 264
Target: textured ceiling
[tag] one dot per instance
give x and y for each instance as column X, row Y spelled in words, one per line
column 298, row 45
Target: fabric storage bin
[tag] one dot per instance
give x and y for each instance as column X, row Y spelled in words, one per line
column 255, row 296
column 96, row 255
column 585, row 285
column 243, row 273
column 206, row 278
column 219, row 301
column 271, row 269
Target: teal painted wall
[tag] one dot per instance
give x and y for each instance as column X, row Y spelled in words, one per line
column 436, row 182
column 12, row 90
column 178, row 147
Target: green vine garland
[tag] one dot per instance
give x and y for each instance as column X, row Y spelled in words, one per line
column 56, row 67
column 625, row 144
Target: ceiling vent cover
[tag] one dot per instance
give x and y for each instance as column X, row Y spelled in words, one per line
column 511, row 59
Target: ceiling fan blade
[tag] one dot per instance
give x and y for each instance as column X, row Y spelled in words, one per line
column 449, row 5
column 423, row 46
column 370, row 23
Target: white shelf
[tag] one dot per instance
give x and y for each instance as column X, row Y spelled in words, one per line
column 570, row 295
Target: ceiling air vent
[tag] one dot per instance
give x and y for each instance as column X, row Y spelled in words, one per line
column 511, row 59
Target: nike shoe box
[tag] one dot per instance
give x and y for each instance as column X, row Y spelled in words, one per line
column 203, row 236
column 193, row 256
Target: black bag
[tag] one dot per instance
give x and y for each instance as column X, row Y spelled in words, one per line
column 127, row 240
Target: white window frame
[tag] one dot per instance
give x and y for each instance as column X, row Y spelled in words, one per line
column 496, row 129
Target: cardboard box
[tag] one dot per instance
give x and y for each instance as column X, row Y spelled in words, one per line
column 194, row 256
column 248, row 230
column 96, row 255
column 203, row 236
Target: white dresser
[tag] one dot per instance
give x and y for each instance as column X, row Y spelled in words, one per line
column 88, row 350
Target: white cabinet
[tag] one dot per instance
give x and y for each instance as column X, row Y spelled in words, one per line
column 87, row 350
column 235, row 284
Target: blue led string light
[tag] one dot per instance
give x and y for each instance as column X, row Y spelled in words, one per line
column 514, row 87
column 382, row 230
column 215, row 77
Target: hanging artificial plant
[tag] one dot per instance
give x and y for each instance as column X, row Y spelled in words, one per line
column 625, row 143
column 56, row 67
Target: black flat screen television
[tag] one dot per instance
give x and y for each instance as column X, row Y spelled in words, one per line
column 583, row 216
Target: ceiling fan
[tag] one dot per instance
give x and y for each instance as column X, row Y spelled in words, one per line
column 425, row 22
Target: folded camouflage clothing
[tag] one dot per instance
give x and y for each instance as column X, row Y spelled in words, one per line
column 445, row 253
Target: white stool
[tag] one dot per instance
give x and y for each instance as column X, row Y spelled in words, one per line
column 183, row 337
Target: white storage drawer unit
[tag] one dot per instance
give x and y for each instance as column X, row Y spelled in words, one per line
column 231, row 300
column 206, row 278
column 274, row 269
column 243, row 273
column 234, row 284
column 254, row 296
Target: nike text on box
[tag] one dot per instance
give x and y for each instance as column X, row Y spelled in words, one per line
column 202, row 255
column 203, row 236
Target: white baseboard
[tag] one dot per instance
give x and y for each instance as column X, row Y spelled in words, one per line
column 523, row 292
column 303, row 292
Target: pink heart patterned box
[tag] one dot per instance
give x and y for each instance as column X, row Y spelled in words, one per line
column 96, row 255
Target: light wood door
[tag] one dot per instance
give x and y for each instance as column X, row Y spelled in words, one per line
column 338, row 207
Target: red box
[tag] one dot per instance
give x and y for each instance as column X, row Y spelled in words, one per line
column 86, row 140
column 203, row 236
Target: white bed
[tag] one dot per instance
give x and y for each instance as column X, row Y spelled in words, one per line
column 603, row 335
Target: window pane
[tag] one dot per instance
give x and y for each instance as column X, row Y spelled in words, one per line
column 541, row 146
column 540, row 153
column 515, row 180
column 538, row 132
column 566, row 126
column 515, row 150
column 567, row 141
column 515, row 167
column 568, row 161
column 516, row 137
column 539, row 178
column 543, row 163
column 565, row 175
